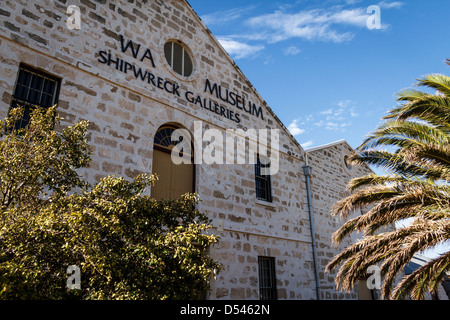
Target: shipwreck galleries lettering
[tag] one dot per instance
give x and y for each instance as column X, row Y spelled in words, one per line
column 233, row 99
column 139, row 73
column 144, row 55
column 212, row 106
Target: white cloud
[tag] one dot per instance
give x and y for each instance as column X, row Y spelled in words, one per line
column 307, row 144
column 239, row 49
column 292, row 51
column 329, row 111
column 390, row 5
column 334, row 24
column 353, row 114
column 332, row 125
column 316, row 24
column 343, row 103
column 294, row 129
column 355, row 17
column 320, row 123
column 337, row 117
column 225, row 16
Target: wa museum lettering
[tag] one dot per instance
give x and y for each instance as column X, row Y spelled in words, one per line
column 144, row 55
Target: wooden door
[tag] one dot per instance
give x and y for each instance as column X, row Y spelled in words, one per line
column 174, row 180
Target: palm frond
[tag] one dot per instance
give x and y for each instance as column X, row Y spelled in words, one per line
column 425, row 278
column 362, row 198
column 423, row 235
column 439, row 82
column 432, row 108
column 413, row 147
column 389, row 248
column 392, row 199
column 407, row 134
column 397, row 163
column 373, row 179
column 410, row 95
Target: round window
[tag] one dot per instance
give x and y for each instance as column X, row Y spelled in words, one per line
column 178, row 58
column 347, row 163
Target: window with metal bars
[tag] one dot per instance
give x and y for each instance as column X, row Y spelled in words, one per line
column 267, row 278
column 178, row 58
column 263, row 182
column 34, row 88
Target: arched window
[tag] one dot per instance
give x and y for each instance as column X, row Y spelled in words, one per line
column 163, row 137
column 175, row 177
column 169, row 137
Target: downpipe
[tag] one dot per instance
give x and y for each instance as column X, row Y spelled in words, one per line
column 307, row 171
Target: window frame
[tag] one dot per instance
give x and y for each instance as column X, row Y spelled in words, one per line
column 267, row 278
column 263, row 183
column 165, row 144
column 19, row 100
column 184, row 54
column 164, row 134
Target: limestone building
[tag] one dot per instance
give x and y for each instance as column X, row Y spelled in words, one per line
column 138, row 70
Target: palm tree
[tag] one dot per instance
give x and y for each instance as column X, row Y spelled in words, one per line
column 413, row 148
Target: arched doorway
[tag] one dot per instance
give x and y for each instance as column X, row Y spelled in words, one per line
column 174, row 179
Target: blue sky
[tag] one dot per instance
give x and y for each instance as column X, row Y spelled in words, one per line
column 320, row 68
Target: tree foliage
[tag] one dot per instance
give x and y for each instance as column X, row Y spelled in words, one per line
column 128, row 245
column 36, row 161
column 413, row 147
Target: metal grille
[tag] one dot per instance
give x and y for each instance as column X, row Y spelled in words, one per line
column 178, row 58
column 267, row 279
column 164, row 139
column 262, row 182
column 33, row 89
column 168, row 52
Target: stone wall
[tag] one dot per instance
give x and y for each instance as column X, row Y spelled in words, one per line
column 328, row 185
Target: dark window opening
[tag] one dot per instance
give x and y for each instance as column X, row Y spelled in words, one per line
column 262, row 181
column 178, row 58
column 34, row 88
column 267, row 278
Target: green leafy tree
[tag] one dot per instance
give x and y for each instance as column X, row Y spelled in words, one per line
column 36, row 161
column 127, row 245
column 413, row 147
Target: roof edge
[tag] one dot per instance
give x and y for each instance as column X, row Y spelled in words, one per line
column 335, row 143
column 328, row 145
